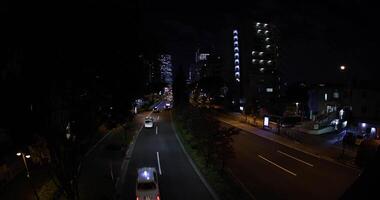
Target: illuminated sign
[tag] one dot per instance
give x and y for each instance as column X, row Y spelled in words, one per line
column 203, row 56
column 266, row 121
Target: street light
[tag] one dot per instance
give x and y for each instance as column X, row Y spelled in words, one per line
column 24, row 157
column 297, row 107
column 342, row 67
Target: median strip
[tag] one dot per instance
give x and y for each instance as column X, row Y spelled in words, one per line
column 290, row 172
column 297, row 159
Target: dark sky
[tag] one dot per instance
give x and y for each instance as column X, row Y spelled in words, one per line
column 316, row 36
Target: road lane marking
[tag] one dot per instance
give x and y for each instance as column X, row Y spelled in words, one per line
column 158, row 118
column 159, row 165
column 156, row 130
column 290, row 172
column 297, row 159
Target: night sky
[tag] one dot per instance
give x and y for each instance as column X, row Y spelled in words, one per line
column 315, row 37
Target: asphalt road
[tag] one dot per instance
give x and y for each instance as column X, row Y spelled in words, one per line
column 178, row 180
column 272, row 171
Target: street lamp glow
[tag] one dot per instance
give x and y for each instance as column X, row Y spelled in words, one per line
column 27, row 156
column 342, row 67
column 18, row 154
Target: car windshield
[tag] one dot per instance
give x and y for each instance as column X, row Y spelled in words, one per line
column 146, row 186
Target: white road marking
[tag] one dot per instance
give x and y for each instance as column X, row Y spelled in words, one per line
column 156, row 130
column 297, row 159
column 290, row 172
column 159, row 165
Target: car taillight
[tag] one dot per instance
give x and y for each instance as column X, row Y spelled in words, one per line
column 158, row 197
column 137, row 198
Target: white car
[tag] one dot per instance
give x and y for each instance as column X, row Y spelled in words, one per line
column 147, row 184
column 167, row 106
column 148, row 122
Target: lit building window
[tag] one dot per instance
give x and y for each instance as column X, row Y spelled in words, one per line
column 236, row 61
column 269, row 89
column 268, row 46
column 236, row 55
column 259, row 31
column 258, row 24
column 336, row 95
column 253, row 53
column 325, row 96
column 254, row 61
column 269, row 62
column 267, row 39
column 236, row 43
column 265, row 25
column 266, row 32
column 261, row 61
column 235, row 32
column 261, row 53
column 261, row 69
column 235, row 37
column 237, row 68
column 236, row 49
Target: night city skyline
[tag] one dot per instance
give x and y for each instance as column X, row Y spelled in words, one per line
column 197, row 100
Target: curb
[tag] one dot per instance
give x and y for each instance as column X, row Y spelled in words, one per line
column 211, row 191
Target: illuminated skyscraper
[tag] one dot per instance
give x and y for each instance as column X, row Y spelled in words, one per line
column 166, row 69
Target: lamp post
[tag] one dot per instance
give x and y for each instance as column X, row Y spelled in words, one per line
column 24, row 157
column 297, row 107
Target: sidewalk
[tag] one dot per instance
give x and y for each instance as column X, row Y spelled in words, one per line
column 331, row 152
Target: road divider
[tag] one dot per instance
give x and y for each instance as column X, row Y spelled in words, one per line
column 273, row 163
column 158, row 161
column 297, row 159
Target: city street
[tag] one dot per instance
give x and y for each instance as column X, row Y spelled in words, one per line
column 158, row 147
column 273, row 171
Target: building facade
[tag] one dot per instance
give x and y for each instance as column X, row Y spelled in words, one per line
column 254, row 56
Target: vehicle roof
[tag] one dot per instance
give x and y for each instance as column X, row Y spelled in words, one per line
column 145, row 174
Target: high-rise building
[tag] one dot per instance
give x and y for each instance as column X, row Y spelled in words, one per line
column 254, row 56
column 166, row 69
